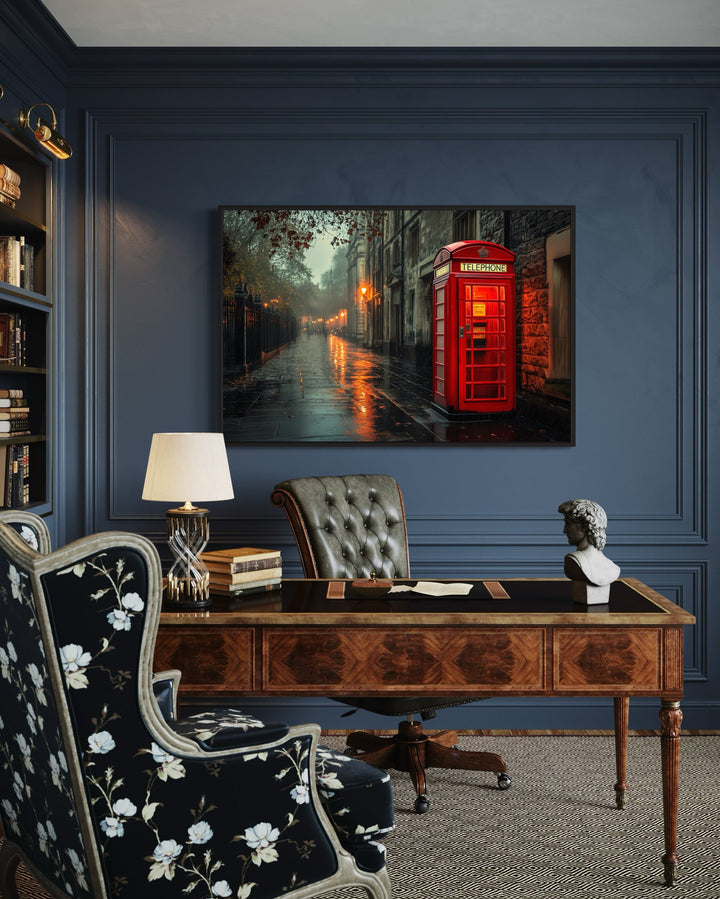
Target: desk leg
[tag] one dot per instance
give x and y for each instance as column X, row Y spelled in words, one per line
column 622, row 705
column 670, row 721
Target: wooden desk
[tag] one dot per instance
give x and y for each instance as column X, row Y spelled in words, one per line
column 536, row 642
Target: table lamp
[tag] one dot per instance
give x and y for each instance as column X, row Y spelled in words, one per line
column 189, row 467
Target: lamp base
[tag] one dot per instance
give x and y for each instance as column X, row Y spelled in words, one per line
column 188, row 581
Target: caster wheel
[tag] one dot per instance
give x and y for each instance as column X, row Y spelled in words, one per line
column 422, row 804
column 504, row 781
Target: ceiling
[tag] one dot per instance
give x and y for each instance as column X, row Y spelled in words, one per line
column 389, row 23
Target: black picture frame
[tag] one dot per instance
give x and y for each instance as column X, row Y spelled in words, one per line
column 328, row 323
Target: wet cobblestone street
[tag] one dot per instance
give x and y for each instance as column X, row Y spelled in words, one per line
column 322, row 388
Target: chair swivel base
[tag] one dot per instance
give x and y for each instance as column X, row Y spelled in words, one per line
column 412, row 750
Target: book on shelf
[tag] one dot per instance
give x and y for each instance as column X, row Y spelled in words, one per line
column 11, row 393
column 9, row 189
column 17, row 261
column 13, row 338
column 8, row 174
column 15, row 426
column 14, row 474
column 5, row 348
column 27, row 265
column 10, row 260
column 4, row 447
column 14, row 414
column 9, row 185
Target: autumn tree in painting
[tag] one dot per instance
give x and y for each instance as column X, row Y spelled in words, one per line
column 264, row 251
column 293, row 230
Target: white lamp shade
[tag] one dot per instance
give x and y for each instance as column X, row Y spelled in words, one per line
column 187, row 467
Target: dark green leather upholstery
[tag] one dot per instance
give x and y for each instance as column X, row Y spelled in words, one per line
column 347, row 526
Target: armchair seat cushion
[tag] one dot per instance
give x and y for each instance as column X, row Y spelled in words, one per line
column 356, row 796
column 224, row 728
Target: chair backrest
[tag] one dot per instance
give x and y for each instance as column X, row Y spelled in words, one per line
column 42, row 809
column 347, row 526
column 75, row 681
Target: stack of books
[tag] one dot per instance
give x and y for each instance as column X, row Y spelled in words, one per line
column 246, row 569
column 9, row 186
column 14, row 413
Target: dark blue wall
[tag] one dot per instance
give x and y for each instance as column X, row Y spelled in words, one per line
column 630, row 138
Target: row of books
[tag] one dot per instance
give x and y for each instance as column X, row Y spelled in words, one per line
column 14, row 413
column 14, row 474
column 9, row 186
column 13, row 339
column 17, row 262
column 247, row 569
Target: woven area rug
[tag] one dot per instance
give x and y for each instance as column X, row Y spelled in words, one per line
column 556, row 834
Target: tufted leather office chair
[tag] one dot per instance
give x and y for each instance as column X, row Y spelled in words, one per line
column 349, row 527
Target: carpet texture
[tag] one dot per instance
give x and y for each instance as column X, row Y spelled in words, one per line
column 556, row 834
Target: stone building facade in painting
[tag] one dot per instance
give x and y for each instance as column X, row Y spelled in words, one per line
column 391, row 277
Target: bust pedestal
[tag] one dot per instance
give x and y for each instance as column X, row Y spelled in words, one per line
column 590, row 594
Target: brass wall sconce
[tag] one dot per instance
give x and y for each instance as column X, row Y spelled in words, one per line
column 45, row 132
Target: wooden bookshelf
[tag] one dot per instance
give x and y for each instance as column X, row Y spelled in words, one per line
column 26, row 305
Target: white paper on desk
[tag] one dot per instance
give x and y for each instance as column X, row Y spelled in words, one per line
column 431, row 588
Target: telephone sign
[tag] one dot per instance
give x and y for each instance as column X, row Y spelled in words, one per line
column 474, row 327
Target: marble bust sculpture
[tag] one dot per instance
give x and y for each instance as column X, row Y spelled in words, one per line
column 589, row 569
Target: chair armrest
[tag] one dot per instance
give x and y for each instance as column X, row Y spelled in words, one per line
column 165, row 688
column 223, row 729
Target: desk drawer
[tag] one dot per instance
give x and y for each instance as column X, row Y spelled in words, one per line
column 210, row 658
column 606, row 658
column 416, row 659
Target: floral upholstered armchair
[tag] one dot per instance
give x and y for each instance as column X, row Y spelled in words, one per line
column 104, row 793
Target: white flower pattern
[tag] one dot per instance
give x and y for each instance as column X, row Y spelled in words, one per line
column 101, row 742
column 15, row 584
column 262, row 839
column 113, row 827
column 29, row 536
column 200, row 832
column 75, row 661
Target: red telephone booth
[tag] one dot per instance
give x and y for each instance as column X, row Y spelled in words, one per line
column 474, row 327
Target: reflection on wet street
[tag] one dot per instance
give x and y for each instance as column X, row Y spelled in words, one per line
column 321, row 388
